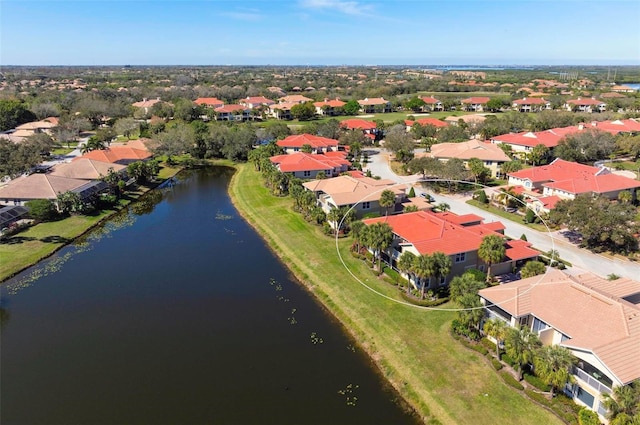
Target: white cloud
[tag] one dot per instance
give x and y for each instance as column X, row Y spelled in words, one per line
column 346, row 7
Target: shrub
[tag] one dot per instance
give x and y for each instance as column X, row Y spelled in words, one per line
column 540, row 398
column 480, row 349
column 536, row 382
column 424, row 303
column 510, row 380
column 482, row 196
column 42, row 209
column 508, row 360
column 496, row 364
column 488, row 344
column 588, row 417
column 523, row 237
column 412, row 193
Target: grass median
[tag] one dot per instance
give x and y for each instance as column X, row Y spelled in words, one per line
column 442, row 380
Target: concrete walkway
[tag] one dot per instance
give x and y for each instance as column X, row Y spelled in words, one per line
column 581, row 259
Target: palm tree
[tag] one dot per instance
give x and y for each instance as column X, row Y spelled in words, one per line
column 442, row 264
column 357, row 231
column 623, row 404
column 405, row 264
column 424, row 268
column 497, row 329
column 387, row 200
column 472, row 313
column 491, row 251
column 553, row 365
column 521, row 345
column 335, row 216
column 378, row 237
column 442, row 207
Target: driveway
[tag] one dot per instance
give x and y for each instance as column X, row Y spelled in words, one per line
column 581, row 259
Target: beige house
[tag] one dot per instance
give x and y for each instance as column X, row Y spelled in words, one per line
column 46, row 186
column 597, row 319
column 372, row 105
column 361, row 193
column 491, row 155
column 86, row 169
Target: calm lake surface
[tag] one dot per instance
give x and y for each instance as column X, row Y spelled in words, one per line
column 177, row 313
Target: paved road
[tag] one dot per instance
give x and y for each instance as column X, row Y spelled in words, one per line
column 580, row 258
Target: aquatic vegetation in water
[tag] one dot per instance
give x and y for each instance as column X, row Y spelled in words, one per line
column 349, row 393
column 315, row 339
column 221, row 216
column 292, row 319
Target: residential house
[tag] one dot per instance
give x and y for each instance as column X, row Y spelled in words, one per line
column 86, row 169
column 525, row 141
column 252, row 102
column 329, row 107
column 11, row 215
column 369, row 128
column 475, row 104
column 373, row 105
column 209, row 102
column 598, row 320
column 46, row 186
column 491, row 155
column 531, row 104
column 294, row 143
column 146, row 104
column 282, row 110
column 232, row 113
column 363, row 194
column 307, row 166
column 622, row 89
column 29, row 128
column 425, row 122
column 458, row 236
column 295, row 99
column 117, row 155
column 469, row 119
column 566, row 180
column 432, row 104
column 585, row 105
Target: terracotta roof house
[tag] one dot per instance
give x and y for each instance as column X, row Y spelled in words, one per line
column 146, row 104
column 566, row 180
column 256, row 101
column 142, row 143
column 294, row 98
column 282, row 110
column 612, row 95
column 475, row 104
column 426, row 121
column 630, row 126
column 375, row 104
column 527, row 140
column 598, row 320
column 369, row 128
column 210, row 102
column 361, row 193
column 432, row 104
column 531, row 104
column 307, row 166
column 622, row 89
column 585, row 105
column 329, row 107
column 491, row 155
column 45, row 186
column 467, row 119
column 294, row 143
column 41, row 126
column 118, row 155
column 86, row 169
column 458, row 236
column 232, row 113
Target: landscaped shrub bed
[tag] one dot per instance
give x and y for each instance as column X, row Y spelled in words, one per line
column 536, row 382
column 588, row 417
column 510, row 380
column 496, row 364
column 424, row 303
column 508, row 360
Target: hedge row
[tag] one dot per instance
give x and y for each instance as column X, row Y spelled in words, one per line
column 510, row 380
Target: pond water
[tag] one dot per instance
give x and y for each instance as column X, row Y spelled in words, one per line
column 177, row 312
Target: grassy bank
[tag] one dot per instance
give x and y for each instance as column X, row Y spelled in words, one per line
column 442, row 380
column 38, row 242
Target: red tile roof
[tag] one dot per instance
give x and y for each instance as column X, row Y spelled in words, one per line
column 549, row 138
column 299, row 140
column 358, row 123
column 427, row 121
column 209, row 101
column 588, row 101
column 476, row 100
column 429, row 100
column 308, row 162
column 432, row 232
column 334, row 103
column 117, row 153
column 256, row 100
column 229, row 109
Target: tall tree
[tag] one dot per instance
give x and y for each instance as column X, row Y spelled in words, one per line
column 127, row 127
column 553, row 364
column 387, row 200
column 521, row 345
column 623, row 405
column 497, row 329
column 491, row 251
column 406, row 264
column 424, row 269
column 586, row 146
column 379, row 237
column 479, row 171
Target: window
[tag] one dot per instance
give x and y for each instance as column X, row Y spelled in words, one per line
column 306, row 173
column 366, row 205
column 488, row 163
column 539, row 325
column 296, row 149
column 461, row 257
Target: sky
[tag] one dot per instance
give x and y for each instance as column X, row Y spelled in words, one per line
column 320, row 32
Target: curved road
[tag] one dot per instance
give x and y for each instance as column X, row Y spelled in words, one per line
column 580, row 258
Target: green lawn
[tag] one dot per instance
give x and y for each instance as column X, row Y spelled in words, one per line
column 444, row 381
column 509, row 216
